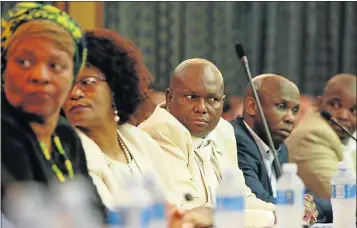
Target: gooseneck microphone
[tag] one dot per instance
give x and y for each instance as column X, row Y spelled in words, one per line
column 242, row 56
column 329, row 117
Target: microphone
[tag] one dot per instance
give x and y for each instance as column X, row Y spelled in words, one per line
column 328, row 116
column 242, row 56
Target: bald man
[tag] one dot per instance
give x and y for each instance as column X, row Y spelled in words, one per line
column 317, row 145
column 198, row 144
column 280, row 100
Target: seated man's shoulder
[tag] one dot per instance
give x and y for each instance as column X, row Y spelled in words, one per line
column 240, row 130
column 226, row 141
column 242, row 136
column 225, row 135
column 237, row 133
column 224, row 128
column 168, row 132
column 246, row 146
column 135, row 134
column 164, row 125
column 313, row 138
column 315, row 130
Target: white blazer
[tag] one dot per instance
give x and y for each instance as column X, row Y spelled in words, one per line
column 109, row 182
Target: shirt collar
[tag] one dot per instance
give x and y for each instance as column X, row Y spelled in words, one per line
column 197, row 141
column 263, row 147
column 202, row 142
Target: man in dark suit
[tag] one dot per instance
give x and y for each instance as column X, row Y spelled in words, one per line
column 251, row 162
column 280, row 100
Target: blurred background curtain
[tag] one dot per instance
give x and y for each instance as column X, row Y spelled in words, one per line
column 6, row 5
column 307, row 42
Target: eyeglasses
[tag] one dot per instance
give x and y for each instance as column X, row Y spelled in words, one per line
column 88, row 83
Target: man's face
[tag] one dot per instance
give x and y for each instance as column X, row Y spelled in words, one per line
column 341, row 103
column 280, row 106
column 196, row 99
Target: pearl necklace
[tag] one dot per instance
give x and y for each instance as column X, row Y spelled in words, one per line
column 126, row 153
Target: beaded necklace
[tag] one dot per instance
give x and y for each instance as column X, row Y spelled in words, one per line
column 125, row 149
column 54, row 166
column 126, row 153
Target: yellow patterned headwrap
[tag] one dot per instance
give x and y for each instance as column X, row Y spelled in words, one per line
column 28, row 11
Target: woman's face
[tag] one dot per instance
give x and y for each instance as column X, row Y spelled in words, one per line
column 90, row 101
column 38, row 76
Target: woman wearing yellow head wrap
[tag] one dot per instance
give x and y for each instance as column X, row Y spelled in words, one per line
column 42, row 51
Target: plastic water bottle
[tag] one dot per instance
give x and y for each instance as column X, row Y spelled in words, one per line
column 290, row 198
column 74, row 203
column 230, row 201
column 115, row 219
column 27, row 205
column 343, row 198
column 138, row 212
column 157, row 217
column 118, row 216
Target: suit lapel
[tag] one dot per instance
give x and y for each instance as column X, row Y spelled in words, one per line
column 240, row 124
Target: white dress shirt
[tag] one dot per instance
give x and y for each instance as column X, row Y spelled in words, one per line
column 205, row 149
column 268, row 158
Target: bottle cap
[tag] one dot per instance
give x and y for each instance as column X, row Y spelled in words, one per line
column 229, row 174
column 289, row 168
column 341, row 166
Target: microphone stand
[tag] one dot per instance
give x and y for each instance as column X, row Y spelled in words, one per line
column 328, row 116
column 244, row 59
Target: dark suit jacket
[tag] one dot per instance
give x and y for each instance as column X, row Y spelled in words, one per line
column 250, row 161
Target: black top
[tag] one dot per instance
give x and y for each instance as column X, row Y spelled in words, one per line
column 251, row 162
column 22, row 158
